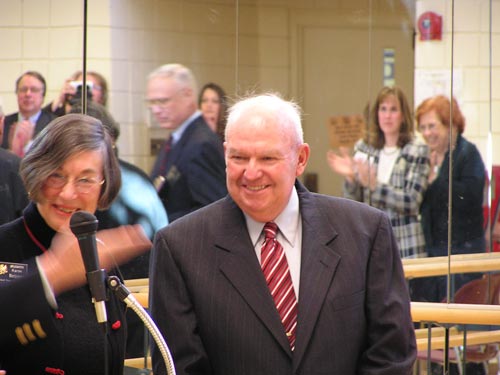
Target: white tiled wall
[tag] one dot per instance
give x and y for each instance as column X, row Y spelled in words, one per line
column 129, row 38
column 471, row 58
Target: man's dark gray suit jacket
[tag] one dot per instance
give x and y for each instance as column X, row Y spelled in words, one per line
column 211, row 302
column 44, row 119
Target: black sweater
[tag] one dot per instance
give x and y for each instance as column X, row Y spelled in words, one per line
column 74, row 343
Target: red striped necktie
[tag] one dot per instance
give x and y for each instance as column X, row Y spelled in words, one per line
column 167, row 147
column 275, row 268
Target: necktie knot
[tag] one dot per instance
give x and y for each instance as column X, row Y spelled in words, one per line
column 270, row 230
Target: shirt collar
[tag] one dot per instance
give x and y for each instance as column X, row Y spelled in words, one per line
column 177, row 133
column 287, row 221
column 33, row 119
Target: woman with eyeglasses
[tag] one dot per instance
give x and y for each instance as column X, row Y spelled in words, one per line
column 70, row 166
column 98, row 92
column 441, row 123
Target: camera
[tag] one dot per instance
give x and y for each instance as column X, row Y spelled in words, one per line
column 77, row 96
column 78, row 86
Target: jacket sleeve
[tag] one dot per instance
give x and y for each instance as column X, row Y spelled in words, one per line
column 469, row 178
column 207, row 174
column 391, row 343
column 353, row 190
column 172, row 309
column 26, row 316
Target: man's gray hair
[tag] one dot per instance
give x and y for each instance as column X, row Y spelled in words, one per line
column 179, row 73
column 268, row 106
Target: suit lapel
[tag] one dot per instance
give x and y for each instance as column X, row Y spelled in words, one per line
column 42, row 121
column 241, row 267
column 318, row 265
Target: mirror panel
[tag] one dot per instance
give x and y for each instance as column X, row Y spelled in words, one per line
column 338, row 68
column 133, row 38
column 36, row 35
column 459, row 64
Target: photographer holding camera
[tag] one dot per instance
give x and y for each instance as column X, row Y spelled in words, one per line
column 97, row 90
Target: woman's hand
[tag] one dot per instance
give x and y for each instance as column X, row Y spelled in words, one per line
column 367, row 174
column 66, row 90
column 342, row 163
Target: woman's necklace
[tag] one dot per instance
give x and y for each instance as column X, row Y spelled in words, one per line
column 390, row 150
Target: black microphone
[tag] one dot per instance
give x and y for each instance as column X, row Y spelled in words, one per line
column 84, row 226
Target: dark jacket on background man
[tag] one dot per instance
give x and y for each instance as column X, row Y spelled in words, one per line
column 195, row 173
column 13, row 196
column 43, row 120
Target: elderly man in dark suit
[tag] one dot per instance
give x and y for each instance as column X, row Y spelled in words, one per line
column 274, row 279
column 189, row 171
column 21, row 127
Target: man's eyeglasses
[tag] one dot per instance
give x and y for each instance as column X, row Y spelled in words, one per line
column 34, row 90
column 82, row 185
column 160, row 102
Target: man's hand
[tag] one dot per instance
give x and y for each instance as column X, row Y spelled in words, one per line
column 23, row 134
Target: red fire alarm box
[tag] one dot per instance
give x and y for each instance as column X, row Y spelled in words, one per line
column 430, row 26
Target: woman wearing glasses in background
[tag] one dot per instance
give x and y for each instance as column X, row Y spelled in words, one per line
column 98, row 92
column 441, row 123
column 70, row 166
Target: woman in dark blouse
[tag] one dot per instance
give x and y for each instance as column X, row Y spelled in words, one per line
column 437, row 119
column 71, row 166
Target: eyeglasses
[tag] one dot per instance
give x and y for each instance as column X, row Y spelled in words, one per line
column 34, row 90
column 426, row 127
column 83, row 185
column 160, row 102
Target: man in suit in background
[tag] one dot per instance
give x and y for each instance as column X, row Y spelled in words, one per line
column 13, row 196
column 189, row 171
column 336, row 302
column 21, row 127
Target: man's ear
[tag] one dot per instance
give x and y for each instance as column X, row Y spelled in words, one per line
column 303, row 157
